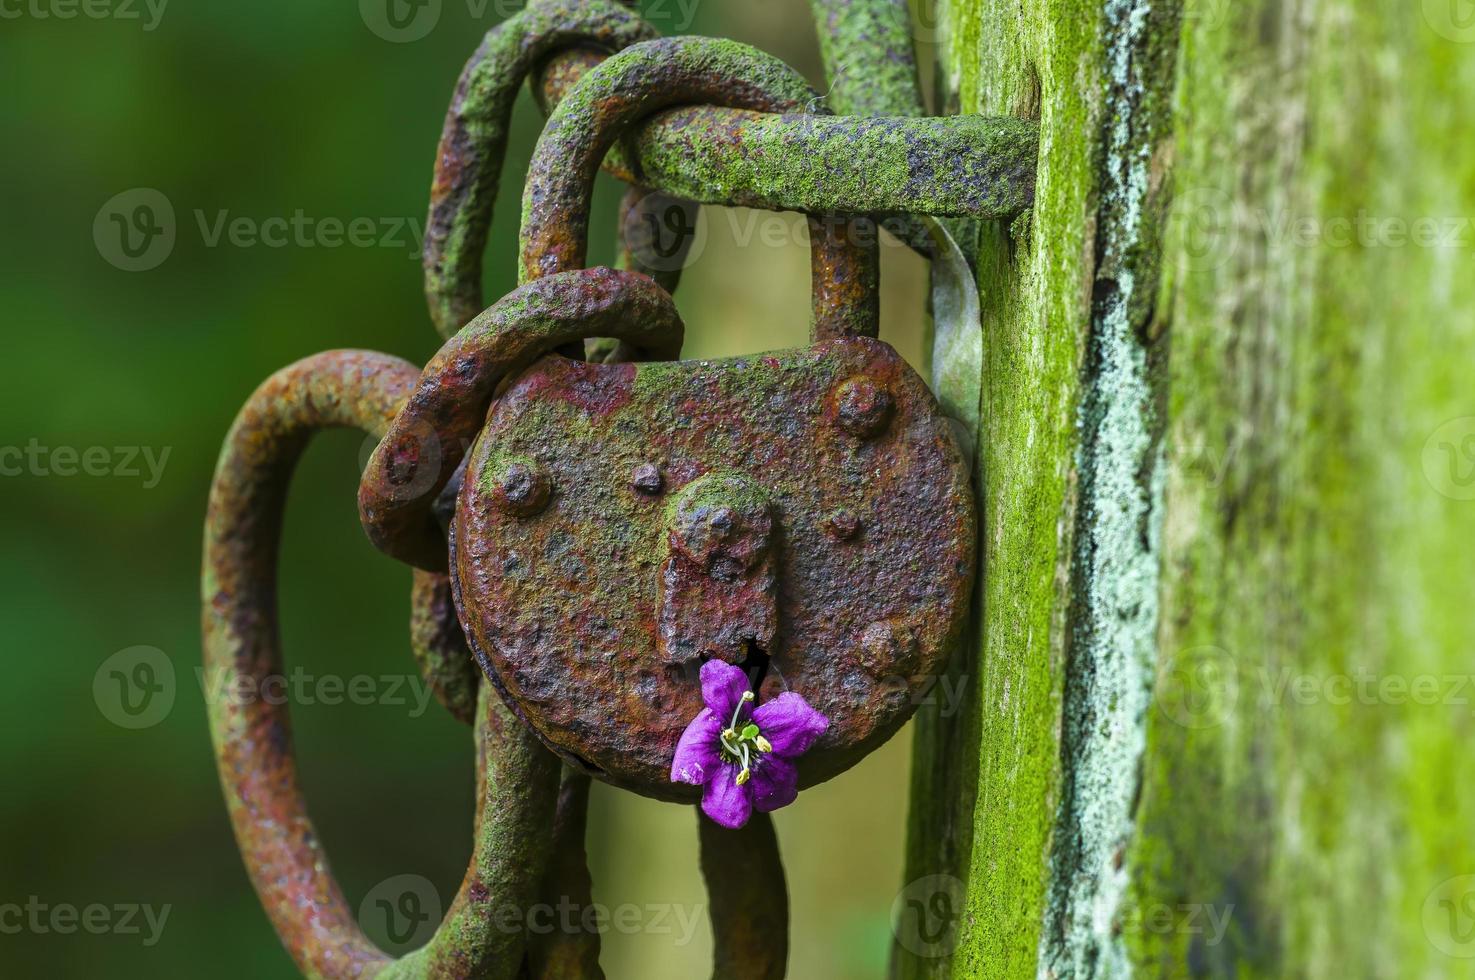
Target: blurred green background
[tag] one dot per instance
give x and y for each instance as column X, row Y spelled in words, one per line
column 257, row 111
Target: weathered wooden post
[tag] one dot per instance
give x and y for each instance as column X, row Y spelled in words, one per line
column 1221, row 668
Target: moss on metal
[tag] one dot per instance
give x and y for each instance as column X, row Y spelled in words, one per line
column 977, row 166
column 643, row 79
column 869, row 57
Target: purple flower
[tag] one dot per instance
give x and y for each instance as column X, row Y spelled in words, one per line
column 741, row 754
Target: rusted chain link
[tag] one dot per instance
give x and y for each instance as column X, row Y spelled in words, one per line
column 708, row 153
column 648, row 77
column 570, row 954
column 517, row 777
column 468, row 163
column 869, row 57
column 894, row 163
column 747, row 898
column 439, row 646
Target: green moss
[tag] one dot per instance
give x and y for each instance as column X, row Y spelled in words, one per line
column 1314, row 546
column 1283, row 827
column 1035, row 293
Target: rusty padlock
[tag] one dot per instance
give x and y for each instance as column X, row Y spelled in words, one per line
column 804, row 514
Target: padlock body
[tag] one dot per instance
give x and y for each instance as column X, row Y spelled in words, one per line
column 585, row 591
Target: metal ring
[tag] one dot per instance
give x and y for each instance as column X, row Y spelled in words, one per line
column 473, row 143
column 654, row 75
column 428, row 439
column 251, row 735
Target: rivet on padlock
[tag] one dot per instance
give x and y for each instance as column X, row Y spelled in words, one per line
column 647, row 479
column 520, row 486
column 862, row 407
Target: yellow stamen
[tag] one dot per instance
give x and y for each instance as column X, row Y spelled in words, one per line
column 764, row 745
column 742, row 777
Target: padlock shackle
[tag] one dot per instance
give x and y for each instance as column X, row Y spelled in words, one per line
column 430, row 436
column 644, row 79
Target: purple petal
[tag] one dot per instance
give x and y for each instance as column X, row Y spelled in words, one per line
column 722, row 688
column 774, row 782
column 725, row 801
column 789, row 724
column 696, row 753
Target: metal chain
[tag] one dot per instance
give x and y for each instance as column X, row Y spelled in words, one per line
column 711, row 134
